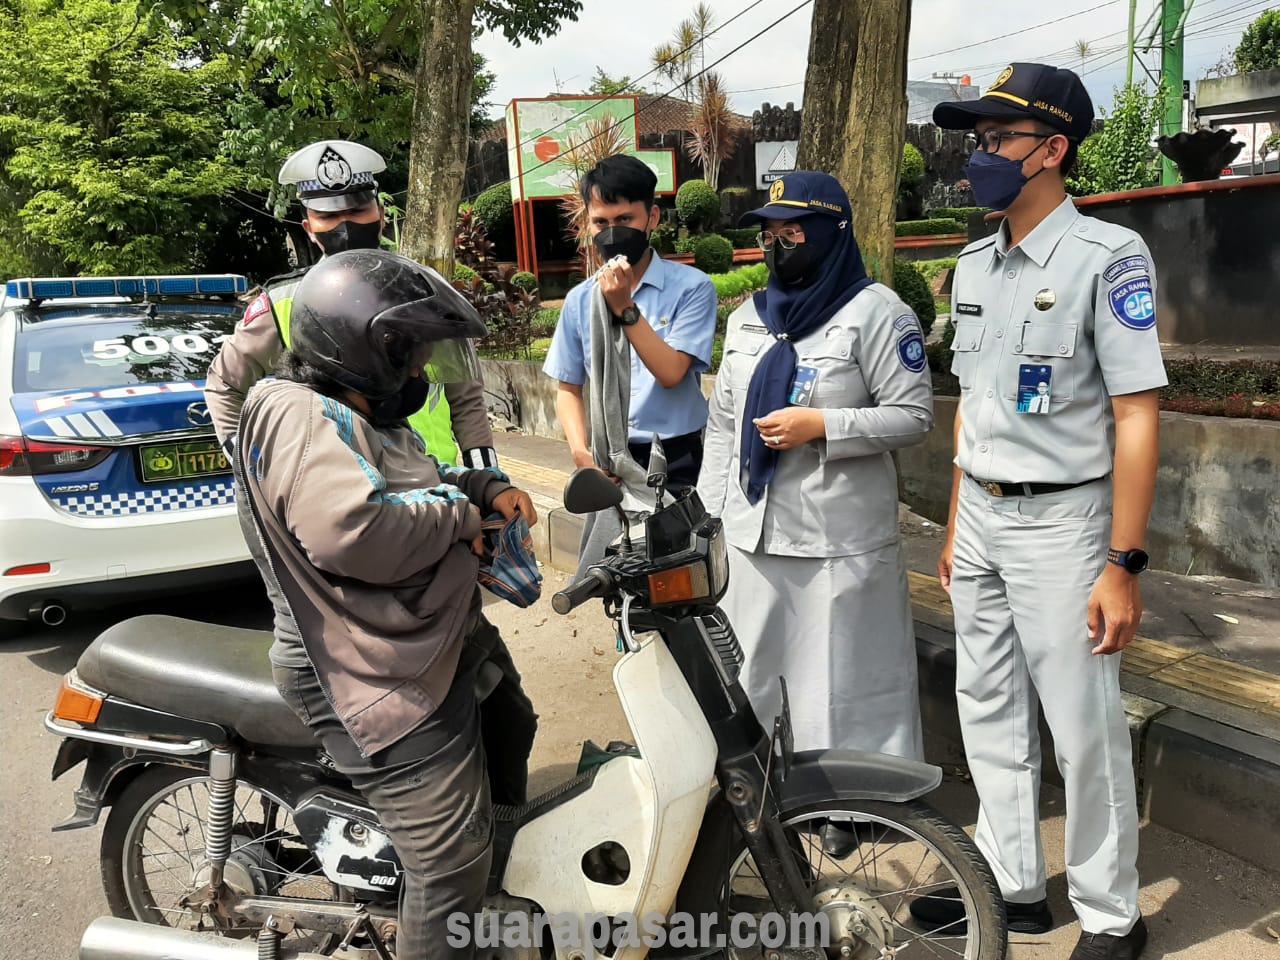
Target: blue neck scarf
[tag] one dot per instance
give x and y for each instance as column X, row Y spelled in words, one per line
column 789, row 313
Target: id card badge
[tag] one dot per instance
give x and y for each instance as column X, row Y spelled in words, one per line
column 1034, row 388
column 802, row 387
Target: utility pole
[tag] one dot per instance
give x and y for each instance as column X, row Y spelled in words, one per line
column 1133, row 20
column 1172, row 20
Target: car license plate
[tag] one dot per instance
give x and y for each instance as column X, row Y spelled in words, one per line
column 183, row 461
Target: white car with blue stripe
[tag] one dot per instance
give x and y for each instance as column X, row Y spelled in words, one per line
column 112, row 483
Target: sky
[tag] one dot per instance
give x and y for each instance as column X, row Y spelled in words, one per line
column 947, row 37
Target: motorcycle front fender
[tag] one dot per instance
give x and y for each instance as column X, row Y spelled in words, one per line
column 819, row 775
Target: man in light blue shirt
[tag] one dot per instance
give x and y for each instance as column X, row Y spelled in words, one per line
column 668, row 311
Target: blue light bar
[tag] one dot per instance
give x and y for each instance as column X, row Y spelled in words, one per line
column 56, row 288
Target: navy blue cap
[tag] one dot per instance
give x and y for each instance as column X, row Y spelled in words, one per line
column 802, row 194
column 1026, row 91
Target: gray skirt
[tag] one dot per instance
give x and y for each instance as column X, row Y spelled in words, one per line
column 839, row 629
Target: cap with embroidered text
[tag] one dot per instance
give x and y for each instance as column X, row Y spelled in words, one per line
column 801, row 194
column 1034, row 91
column 334, row 175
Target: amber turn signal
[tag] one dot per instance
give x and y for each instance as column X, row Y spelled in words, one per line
column 681, row 585
column 77, row 702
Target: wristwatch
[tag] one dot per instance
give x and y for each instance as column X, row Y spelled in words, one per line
column 1135, row 561
column 630, row 316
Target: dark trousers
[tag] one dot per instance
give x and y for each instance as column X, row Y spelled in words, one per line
column 433, row 790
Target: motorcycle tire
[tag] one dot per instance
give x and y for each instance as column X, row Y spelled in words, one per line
column 257, row 847
column 860, row 897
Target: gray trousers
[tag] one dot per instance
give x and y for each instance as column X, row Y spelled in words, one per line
column 1023, row 571
column 434, row 790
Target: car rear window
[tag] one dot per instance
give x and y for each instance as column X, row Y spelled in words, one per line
column 88, row 348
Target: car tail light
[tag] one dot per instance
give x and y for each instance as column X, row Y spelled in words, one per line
column 20, row 457
column 28, row 569
column 77, row 701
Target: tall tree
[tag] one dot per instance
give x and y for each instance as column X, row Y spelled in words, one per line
column 386, row 72
column 110, row 122
column 438, row 160
column 855, row 112
column 603, row 85
column 1259, row 48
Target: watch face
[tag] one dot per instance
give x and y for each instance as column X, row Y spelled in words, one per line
column 1137, row 561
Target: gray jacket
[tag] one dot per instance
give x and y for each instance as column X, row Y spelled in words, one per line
column 369, row 539
column 836, row 496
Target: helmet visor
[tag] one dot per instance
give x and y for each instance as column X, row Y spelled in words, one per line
column 447, row 361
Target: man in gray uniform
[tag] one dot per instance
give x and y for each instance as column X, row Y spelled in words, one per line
column 1056, row 452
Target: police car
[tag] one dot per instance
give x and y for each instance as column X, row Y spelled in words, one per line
column 112, row 483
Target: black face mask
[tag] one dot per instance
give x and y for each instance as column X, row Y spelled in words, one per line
column 793, row 267
column 628, row 241
column 403, row 404
column 349, row 235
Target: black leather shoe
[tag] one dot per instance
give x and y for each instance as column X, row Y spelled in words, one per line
column 945, row 909
column 1106, row 946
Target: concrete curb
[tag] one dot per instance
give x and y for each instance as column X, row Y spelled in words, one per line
column 1203, row 769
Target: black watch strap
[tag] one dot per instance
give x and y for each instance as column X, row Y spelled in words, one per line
column 629, row 317
column 1135, row 561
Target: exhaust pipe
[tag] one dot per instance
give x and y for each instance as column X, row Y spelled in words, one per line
column 49, row 612
column 110, row 938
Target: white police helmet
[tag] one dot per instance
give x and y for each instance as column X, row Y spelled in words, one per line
column 334, row 175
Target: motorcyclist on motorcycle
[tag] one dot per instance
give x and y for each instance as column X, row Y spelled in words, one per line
column 375, row 545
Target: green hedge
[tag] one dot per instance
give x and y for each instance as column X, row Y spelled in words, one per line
column 494, row 207
column 697, row 204
column 955, row 213
column 912, row 167
column 663, row 238
column 525, row 281
column 464, row 273
column 743, row 238
column 713, row 253
column 740, row 282
column 911, row 286
column 685, row 244
column 929, row 228
column 932, row 268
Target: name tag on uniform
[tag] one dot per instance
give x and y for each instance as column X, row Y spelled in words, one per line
column 971, row 309
column 803, row 385
column 1034, row 382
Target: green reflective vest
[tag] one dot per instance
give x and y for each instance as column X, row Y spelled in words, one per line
column 433, row 422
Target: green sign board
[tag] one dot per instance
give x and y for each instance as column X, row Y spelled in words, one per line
column 541, row 135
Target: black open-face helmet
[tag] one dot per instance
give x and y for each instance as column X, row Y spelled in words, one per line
column 368, row 318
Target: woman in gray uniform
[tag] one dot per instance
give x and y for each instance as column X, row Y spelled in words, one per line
column 824, row 373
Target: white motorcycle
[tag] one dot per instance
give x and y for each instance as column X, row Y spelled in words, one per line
column 230, row 835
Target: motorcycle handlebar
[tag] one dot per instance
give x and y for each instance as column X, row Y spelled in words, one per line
column 595, row 584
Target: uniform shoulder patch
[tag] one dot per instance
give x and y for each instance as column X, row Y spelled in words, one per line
column 260, row 305
column 906, row 322
column 911, row 353
column 1133, row 304
column 1125, row 266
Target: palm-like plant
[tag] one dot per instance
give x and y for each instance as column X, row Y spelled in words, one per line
column 603, row 137
column 712, row 140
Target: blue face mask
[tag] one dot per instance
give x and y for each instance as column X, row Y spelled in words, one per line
column 997, row 181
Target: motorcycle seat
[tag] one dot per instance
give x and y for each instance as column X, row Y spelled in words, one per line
column 203, row 671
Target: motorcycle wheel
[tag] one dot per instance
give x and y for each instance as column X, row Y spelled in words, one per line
column 895, row 853
column 152, row 855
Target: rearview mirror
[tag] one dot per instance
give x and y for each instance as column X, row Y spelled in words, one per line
column 590, row 490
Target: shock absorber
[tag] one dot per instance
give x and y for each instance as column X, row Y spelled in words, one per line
column 222, row 802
